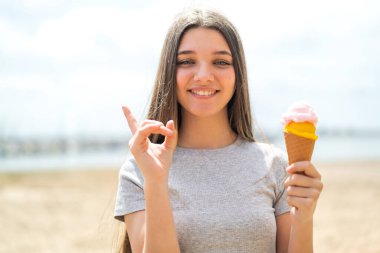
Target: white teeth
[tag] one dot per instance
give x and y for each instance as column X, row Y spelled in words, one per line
column 203, row 92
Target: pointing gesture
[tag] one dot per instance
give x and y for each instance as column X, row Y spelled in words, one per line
column 154, row 160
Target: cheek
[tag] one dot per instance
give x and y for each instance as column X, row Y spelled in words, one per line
column 181, row 77
column 180, row 85
column 228, row 77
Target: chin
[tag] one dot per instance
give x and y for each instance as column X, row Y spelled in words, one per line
column 207, row 112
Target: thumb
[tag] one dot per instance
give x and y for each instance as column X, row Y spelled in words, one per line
column 171, row 141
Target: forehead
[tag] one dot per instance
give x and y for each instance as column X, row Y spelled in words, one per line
column 200, row 38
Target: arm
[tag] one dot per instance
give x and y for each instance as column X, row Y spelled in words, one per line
column 283, row 232
column 292, row 237
column 301, row 237
column 160, row 235
column 295, row 230
column 152, row 230
column 135, row 226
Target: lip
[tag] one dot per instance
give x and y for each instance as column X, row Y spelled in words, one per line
column 202, row 93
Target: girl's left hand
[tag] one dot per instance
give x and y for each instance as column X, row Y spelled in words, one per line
column 303, row 187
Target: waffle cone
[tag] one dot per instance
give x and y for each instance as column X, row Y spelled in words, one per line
column 298, row 148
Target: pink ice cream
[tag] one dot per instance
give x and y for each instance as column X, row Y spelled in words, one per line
column 299, row 112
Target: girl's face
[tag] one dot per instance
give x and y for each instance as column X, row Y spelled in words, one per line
column 205, row 74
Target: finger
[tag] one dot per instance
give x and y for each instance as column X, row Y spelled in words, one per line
column 303, row 181
column 132, row 122
column 304, row 167
column 143, row 132
column 302, row 192
column 164, row 130
column 171, row 141
column 150, row 121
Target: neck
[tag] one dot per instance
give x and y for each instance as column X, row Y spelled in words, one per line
column 207, row 132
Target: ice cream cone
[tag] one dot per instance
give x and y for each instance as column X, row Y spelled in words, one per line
column 298, row 148
column 299, row 132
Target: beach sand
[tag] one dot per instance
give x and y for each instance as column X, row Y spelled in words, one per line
column 71, row 211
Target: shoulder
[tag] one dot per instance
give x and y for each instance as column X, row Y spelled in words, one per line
column 272, row 151
column 277, row 161
column 275, row 158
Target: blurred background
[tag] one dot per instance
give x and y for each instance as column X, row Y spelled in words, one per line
column 67, row 67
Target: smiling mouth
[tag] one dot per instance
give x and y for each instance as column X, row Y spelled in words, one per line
column 203, row 93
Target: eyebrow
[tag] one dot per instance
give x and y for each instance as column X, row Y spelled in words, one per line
column 220, row 52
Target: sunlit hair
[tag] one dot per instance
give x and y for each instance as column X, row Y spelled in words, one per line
column 164, row 104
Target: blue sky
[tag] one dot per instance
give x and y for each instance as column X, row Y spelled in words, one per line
column 67, row 66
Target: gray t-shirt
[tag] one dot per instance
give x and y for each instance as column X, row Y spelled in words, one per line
column 224, row 200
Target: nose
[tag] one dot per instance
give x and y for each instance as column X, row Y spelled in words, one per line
column 203, row 73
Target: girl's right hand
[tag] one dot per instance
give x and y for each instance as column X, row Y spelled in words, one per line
column 154, row 160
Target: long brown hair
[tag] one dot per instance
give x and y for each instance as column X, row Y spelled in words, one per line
column 164, row 105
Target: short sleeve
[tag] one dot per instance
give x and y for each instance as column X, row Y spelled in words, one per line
column 130, row 193
column 280, row 163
